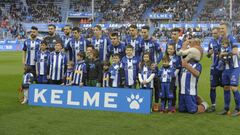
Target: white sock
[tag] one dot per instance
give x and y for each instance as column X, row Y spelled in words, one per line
column 205, row 104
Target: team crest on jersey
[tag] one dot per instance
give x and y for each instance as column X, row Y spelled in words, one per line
column 134, row 101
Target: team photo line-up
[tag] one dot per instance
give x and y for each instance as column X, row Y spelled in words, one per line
column 105, row 61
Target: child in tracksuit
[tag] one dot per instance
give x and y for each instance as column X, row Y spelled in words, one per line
column 28, row 79
column 80, row 71
column 42, row 64
column 94, row 69
column 166, row 73
column 115, row 74
column 106, row 74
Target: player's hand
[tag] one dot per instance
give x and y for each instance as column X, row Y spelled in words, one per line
column 81, row 84
column 184, row 63
column 48, row 77
column 144, row 82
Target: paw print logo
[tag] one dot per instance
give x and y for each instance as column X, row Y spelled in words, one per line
column 134, row 101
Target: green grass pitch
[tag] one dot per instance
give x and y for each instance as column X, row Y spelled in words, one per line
column 17, row 119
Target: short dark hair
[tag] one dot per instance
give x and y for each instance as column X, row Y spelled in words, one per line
column 90, row 45
column 52, row 25
column 116, row 55
column 59, row 42
column 176, row 30
column 76, row 29
column 146, row 27
column 114, row 34
column 129, row 46
column 81, row 54
column 44, row 42
column 99, row 27
column 68, row 26
column 133, row 26
column 34, row 28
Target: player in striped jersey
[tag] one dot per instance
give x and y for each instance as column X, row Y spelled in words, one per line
column 230, row 78
column 215, row 74
column 146, row 74
column 65, row 39
column 80, row 71
column 189, row 88
column 27, row 80
column 135, row 40
column 115, row 47
column 68, row 77
column 30, row 49
column 115, row 74
column 175, row 39
column 76, row 44
column 129, row 64
column 100, row 42
column 57, row 65
column 166, row 73
column 106, row 74
column 42, row 63
column 151, row 46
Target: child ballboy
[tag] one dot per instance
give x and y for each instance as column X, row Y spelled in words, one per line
column 94, row 69
column 27, row 80
column 69, row 74
column 166, row 74
column 129, row 64
column 42, row 63
column 80, row 72
column 57, row 65
column 106, row 74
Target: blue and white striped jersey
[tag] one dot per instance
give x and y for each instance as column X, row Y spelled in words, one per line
column 130, row 67
column 136, row 43
column 115, row 75
column 42, row 62
column 80, row 72
column 57, row 63
column 166, row 74
column 102, row 46
column 31, row 47
column 188, row 82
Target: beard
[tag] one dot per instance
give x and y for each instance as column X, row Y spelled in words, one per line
column 33, row 36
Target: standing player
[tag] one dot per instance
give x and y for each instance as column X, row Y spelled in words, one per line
column 175, row 39
column 115, row 74
column 116, row 46
column 151, row 46
column 215, row 74
column 30, row 49
column 65, row 39
column 135, row 40
column 76, row 44
column 100, row 42
column 57, row 65
column 52, row 38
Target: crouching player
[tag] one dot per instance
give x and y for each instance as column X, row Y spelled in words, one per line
column 27, row 80
column 166, row 73
column 189, row 85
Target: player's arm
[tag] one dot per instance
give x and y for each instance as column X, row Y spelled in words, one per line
column 210, row 50
column 194, row 71
column 235, row 50
column 24, row 53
